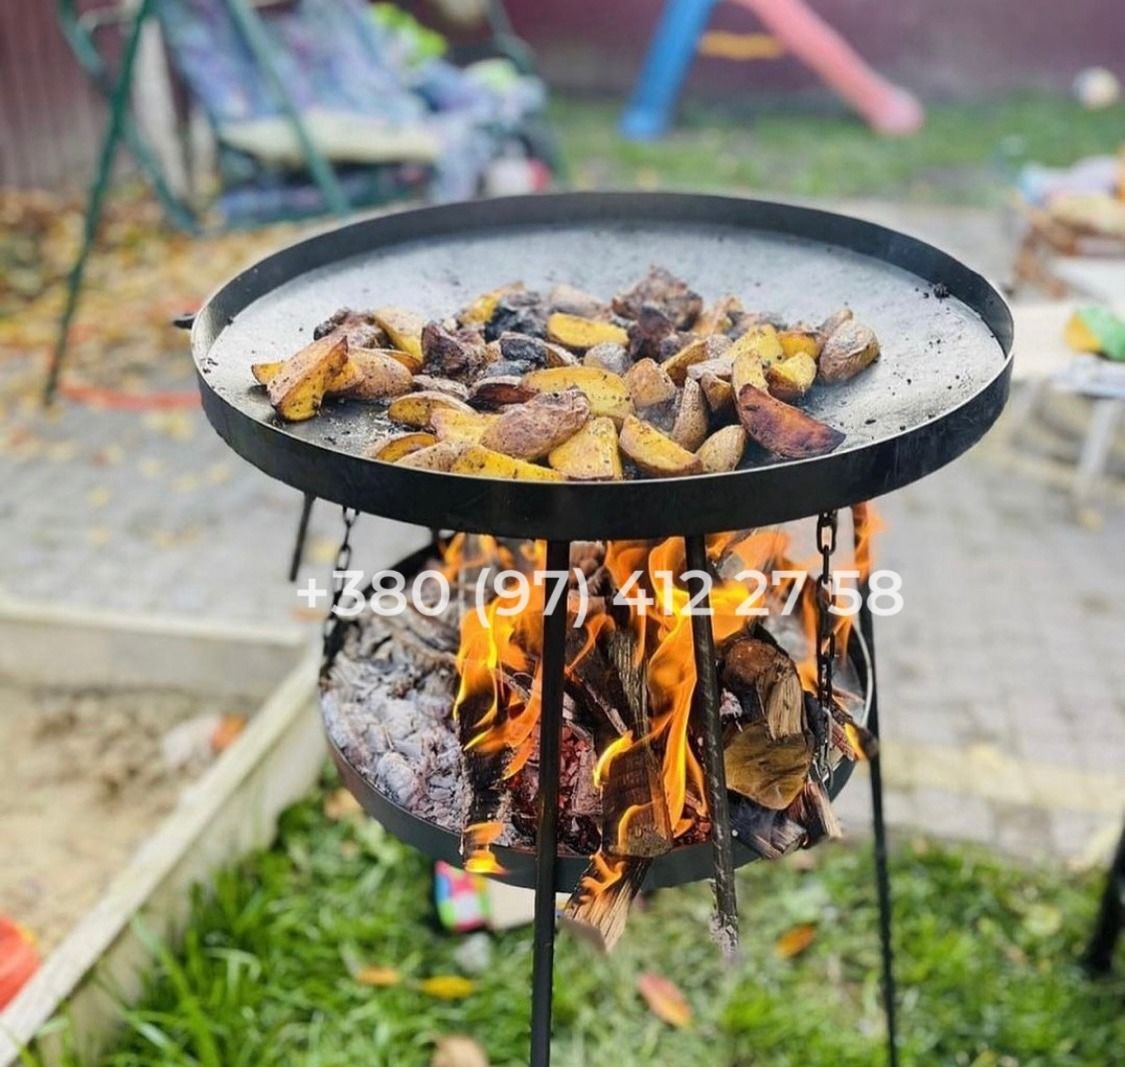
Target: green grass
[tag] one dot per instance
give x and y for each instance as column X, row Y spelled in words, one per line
column 966, row 154
column 986, row 964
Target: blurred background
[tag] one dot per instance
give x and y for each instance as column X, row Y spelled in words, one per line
column 149, row 149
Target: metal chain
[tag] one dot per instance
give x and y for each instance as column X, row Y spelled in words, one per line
column 343, row 563
column 826, row 638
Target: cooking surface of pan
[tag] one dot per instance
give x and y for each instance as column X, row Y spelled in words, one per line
column 940, row 382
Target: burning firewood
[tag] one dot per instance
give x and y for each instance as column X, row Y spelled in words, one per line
column 598, row 909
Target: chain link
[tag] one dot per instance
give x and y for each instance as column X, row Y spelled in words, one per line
column 343, row 563
column 826, row 639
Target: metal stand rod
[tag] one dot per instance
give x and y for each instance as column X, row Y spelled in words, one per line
column 882, row 873
column 302, row 533
column 119, row 103
column 546, row 853
column 1098, row 958
column 707, row 709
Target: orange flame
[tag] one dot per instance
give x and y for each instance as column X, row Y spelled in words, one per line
column 505, row 645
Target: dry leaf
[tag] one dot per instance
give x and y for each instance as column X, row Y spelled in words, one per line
column 458, row 1050
column 377, row 976
column 447, row 986
column 664, row 999
column 340, row 804
column 795, row 940
column 230, row 726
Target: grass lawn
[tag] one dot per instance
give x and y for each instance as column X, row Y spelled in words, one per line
column 966, row 154
column 267, row 975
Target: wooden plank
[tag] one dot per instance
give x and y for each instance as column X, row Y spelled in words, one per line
column 66, row 646
column 231, row 810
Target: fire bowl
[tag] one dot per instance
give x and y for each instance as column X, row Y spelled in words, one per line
column 683, row 864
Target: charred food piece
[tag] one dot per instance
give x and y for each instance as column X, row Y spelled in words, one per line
column 663, row 290
column 448, row 354
column 518, row 311
column 359, row 327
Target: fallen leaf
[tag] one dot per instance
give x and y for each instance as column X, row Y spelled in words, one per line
column 340, row 804
column 664, row 999
column 458, row 1050
column 795, row 940
column 230, row 726
column 447, row 986
column 380, row 977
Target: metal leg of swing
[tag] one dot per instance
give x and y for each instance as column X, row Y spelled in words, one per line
column 550, row 746
column 882, row 872
column 118, row 104
column 302, row 532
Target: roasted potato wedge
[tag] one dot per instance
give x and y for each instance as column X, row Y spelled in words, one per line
column 793, row 377
column 719, row 394
column 297, row 390
column 404, row 328
column 834, row 321
column 579, row 334
column 606, row 392
column 400, row 445
column 439, row 457
column 693, row 352
column 451, row 424
column 800, row 340
column 763, row 341
column 573, row 301
column 611, row 357
column 849, row 349
column 433, row 383
column 481, row 461
column 483, row 308
column 648, row 384
column 721, row 367
column 722, row 451
column 690, row 428
column 383, row 375
column 529, row 431
column 747, row 369
column 716, row 317
column 417, row 409
column 655, row 454
column 341, row 383
column 782, row 429
column 499, row 390
column 591, row 455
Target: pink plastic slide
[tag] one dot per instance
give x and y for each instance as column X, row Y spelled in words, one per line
column 886, row 107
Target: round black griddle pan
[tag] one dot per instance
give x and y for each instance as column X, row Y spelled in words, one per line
column 940, row 383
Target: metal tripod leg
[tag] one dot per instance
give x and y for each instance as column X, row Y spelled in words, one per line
column 119, row 102
column 707, row 708
column 882, row 873
column 1098, row 958
column 550, row 746
column 302, row 533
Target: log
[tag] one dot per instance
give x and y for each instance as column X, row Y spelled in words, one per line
column 599, row 907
